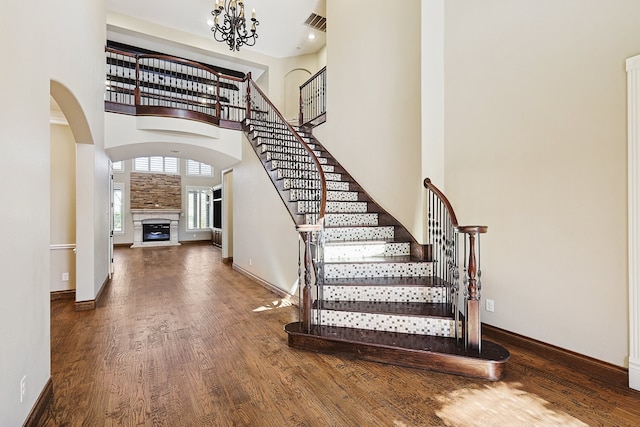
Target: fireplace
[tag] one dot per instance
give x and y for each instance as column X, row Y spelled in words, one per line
column 155, row 227
column 156, row 232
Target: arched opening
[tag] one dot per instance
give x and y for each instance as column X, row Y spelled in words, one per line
column 292, row 82
column 83, row 247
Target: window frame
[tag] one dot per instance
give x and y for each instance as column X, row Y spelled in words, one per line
column 119, row 186
column 200, row 167
column 200, row 190
column 148, row 160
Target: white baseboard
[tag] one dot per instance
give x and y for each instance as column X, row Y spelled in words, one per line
column 634, row 374
column 293, row 299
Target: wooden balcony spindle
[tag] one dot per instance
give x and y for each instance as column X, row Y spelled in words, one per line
column 218, row 105
column 136, row 93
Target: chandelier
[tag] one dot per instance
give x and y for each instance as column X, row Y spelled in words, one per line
column 233, row 30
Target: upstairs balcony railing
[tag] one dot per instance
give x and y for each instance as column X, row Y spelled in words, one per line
column 162, row 85
column 313, row 99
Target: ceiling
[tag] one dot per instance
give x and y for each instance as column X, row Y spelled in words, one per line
column 281, row 32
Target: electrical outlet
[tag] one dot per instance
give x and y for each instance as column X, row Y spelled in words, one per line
column 65, row 277
column 250, row 261
column 489, row 305
column 23, row 388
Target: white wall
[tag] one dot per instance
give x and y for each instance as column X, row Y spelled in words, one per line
column 536, row 149
column 373, row 102
column 63, row 208
column 74, row 29
column 265, row 242
column 24, row 222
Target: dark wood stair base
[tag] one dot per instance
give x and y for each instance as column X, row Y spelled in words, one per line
column 438, row 354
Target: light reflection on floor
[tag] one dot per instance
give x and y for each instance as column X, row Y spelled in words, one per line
column 280, row 303
column 500, row 404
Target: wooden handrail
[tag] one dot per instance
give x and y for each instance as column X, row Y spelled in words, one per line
column 428, row 184
column 322, row 70
column 169, row 58
column 445, row 250
column 312, row 99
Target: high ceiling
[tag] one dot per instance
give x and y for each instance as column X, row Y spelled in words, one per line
column 282, row 31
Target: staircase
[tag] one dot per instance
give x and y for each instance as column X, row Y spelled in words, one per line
column 369, row 289
column 376, row 295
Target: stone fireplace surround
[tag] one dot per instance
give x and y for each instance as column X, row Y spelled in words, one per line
column 155, row 216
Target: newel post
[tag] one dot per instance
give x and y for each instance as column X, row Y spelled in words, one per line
column 218, row 105
column 248, row 112
column 136, row 91
column 300, row 113
column 306, row 310
column 472, row 277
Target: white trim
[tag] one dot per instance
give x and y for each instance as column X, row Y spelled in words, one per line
column 198, row 188
column 120, row 186
column 634, row 373
column 63, row 246
column 633, row 152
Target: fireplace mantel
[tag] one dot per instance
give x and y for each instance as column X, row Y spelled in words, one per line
column 155, row 216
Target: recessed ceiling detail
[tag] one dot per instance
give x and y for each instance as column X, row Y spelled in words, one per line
column 317, row 22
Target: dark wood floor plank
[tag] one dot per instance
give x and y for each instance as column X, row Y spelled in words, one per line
column 181, row 339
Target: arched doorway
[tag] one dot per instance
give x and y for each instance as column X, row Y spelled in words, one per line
column 292, row 81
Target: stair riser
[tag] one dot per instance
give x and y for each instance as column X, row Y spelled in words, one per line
column 353, row 220
column 303, row 158
column 357, row 207
column 258, row 141
column 347, row 207
column 301, row 193
column 359, row 233
column 290, row 183
column 385, row 293
column 336, row 252
column 303, row 174
column 388, row 322
column 265, row 137
column 284, row 164
column 377, row 269
column 259, row 125
column 265, row 148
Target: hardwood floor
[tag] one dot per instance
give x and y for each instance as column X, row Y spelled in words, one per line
column 181, row 339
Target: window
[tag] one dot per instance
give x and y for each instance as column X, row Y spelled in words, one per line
column 118, row 166
column 199, row 204
column 118, row 208
column 195, row 168
column 156, row 164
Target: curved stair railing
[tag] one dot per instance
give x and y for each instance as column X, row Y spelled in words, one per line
column 284, row 149
column 398, row 283
column 443, row 238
